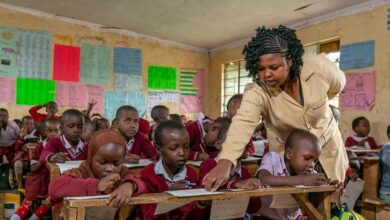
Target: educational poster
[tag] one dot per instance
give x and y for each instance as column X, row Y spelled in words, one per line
column 128, row 61
column 34, row 91
column 359, row 92
column 169, row 99
column 95, row 64
column 7, row 89
column 96, row 93
column 113, row 100
column 191, row 90
column 357, row 55
column 8, row 51
column 66, row 63
column 162, row 78
column 71, row 94
column 124, row 82
column 35, row 54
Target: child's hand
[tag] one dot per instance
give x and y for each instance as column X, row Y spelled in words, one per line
column 108, row 183
column 314, row 179
column 121, row 195
column 59, row 158
column 23, row 133
column 249, row 184
column 180, row 185
column 132, row 158
column 202, row 156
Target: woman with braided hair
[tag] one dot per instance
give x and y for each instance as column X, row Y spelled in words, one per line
column 291, row 92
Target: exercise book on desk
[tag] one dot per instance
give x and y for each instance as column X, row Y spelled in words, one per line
column 249, row 159
column 68, row 165
column 141, row 163
column 192, row 192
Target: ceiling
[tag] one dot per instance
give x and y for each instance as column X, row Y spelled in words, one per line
column 199, row 23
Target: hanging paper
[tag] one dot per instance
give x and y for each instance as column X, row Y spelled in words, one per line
column 96, row 93
column 71, row 94
column 359, row 92
column 124, row 82
column 34, row 60
column 66, row 63
column 357, row 55
column 191, row 90
column 169, row 99
column 162, row 78
column 7, row 89
column 8, row 51
column 114, row 100
column 34, row 91
column 231, row 208
column 128, row 60
column 95, row 64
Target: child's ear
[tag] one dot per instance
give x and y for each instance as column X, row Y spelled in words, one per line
column 288, row 153
column 289, row 62
column 158, row 148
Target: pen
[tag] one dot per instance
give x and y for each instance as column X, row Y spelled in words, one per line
column 188, row 183
column 201, row 148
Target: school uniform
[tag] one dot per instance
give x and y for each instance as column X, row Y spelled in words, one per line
column 142, row 146
column 196, row 134
column 352, row 141
column 60, row 144
column 38, row 116
column 9, row 133
column 20, row 153
column 144, row 126
column 156, row 180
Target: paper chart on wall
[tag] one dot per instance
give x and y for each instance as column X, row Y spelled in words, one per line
column 113, row 100
column 96, row 93
column 7, row 89
column 34, row 91
column 357, row 55
column 128, row 61
column 95, row 64
column 8, row 51
column 71, row 94
column 124, row 82
column 191, row 90
column 162, row 78
column 359, row 92
column 169, row 99
column 66, row 63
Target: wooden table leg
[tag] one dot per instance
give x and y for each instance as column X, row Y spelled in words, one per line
column 71, row 213
column 80, row 213
column 325, row 205
column 370, row 176
column 306, row 205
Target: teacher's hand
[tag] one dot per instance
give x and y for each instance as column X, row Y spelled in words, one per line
column 218, row 175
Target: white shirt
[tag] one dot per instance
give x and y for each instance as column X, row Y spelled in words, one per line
column 159, row 169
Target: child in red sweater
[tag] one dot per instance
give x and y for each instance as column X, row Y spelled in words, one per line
column 102, row 173
column 197, row 131
column 51, row 111
column 138, row 145
column 170, row 172
column 361, row 126
column 158, row 113
column 38, row 181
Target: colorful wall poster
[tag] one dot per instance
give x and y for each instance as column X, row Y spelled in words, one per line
column 96, row 93
column 128, row 60
column 162, row 78
column 124, row 82
column 191, row 90
column 66, row 63
column 34, row 91
column 95, row 64
column 7, row 89
column 71, row 94
column 359, row 92
column 8, row 51
column 113, row 100
column 357, row 55
column 169, row 99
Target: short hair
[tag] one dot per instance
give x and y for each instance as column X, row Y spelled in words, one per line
column 356, row 121
column 299, row 134
column 71, row 112
column 27, row 117
column 388, row 130
column 123, row 108
column 225, row 124
column 4, row 110
column 158, row 111
column 175, row 117
column 234, row 98
column 281, row 40
column 166, row 125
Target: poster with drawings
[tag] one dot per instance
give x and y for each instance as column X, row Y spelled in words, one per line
column 169, row 99
column 359, row 92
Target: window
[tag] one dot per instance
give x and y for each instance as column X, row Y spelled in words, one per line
column 235, row 78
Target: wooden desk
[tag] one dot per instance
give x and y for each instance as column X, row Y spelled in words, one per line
column 370, row 176
column 363, row 150
column 75, row 209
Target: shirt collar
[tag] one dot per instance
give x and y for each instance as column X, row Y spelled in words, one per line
column 80, row 145
column 159, row 169
column 129, row 145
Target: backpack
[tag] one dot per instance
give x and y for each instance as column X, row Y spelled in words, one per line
column 344, row 213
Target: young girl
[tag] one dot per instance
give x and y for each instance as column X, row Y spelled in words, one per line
column 102, row 173
column 293, row 167
column 361, row 127
column 197, row 131
column 170, row 172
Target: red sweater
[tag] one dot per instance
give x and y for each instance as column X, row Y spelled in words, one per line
column 36, row 115
column 350, row 142
column 143, row 147
column 19, row 143
column 196, row 139
column 157, row 184
column 144, row 126
column 56, row 145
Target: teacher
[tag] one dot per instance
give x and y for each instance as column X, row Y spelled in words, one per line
column 291, row 92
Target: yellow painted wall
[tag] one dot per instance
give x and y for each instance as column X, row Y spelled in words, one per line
column 367, row 25
column 153, row 53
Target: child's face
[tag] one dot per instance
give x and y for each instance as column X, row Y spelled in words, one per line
column 234, row 105
column 28, row 124
column 175, row 149
column 52, row 107
column 102, row 124
column 128, row 123
column 107, row 160
column 3, row 117
column 52, row 130
column 363, row 128
column 72, row 128
column 211, row 136
column 302, row 156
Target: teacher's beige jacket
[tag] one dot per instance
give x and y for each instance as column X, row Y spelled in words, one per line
column 321, row 80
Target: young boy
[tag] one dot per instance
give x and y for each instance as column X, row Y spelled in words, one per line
column 28, row 136
column 51, row 111
column 69, row 146
column 361, row 127
column 197, row 131
column 138, row 145
column 37, row 182
column 170, row 172
column 159, row 113
column 9, row 132
column 211, row 141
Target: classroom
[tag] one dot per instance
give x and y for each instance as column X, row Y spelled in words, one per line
column 189, row 109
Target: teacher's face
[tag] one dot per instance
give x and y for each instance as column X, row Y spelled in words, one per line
column 273, row 69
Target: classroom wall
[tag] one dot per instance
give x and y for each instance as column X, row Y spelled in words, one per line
column 153, row 53
column 367, row 25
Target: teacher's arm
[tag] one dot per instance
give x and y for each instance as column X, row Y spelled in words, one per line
column 335, row 77
column 240, row 132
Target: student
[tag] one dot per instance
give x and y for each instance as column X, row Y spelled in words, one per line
column 51, row 109
column 88, row 129
column 102, row 173
column 138, row 145
column 69, row 146
column 184, row 119
column 240, row 177
column 384, row 159
column 102, row 123
column 38, row 181
column 293, row 167
column 9, row 132
column 211, row 146
column 176, row 117
column 361, row 127
column 28, row 135
column 159, row 113
column 197, row 131
column 170, row 172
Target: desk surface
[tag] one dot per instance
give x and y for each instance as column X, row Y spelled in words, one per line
column 365, row 158
column 358, row 150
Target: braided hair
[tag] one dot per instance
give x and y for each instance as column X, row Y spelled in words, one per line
column 281, row 40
